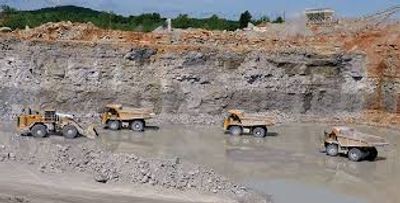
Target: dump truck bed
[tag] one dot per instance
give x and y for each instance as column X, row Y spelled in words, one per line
column 350, row 137
column 126, row 114
column 253, row 119
column 136, row 110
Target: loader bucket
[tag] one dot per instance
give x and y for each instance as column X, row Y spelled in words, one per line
column 91, row 132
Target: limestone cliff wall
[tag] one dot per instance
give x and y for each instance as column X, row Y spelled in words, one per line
column 77, row 77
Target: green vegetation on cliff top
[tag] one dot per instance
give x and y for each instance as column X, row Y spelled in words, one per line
column 14, row 19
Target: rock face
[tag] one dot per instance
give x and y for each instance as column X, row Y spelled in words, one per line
column 82, row 78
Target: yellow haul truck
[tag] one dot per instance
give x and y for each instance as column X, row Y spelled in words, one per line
column 237, row 122
column 356, row 145
column 116, row 116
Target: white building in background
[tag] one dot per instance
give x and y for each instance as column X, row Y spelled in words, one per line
column 320, row 16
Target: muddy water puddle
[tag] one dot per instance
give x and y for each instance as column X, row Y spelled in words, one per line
column 287, row 164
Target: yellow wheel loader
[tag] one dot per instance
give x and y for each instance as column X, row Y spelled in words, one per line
column 41, row 124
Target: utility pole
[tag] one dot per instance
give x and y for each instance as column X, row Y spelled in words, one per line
column 169, row 24
column 284, row 15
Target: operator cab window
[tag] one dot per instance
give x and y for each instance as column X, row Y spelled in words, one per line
column 112, row 111
column 234, row 117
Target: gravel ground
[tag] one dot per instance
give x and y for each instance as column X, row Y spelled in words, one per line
column 59, row 156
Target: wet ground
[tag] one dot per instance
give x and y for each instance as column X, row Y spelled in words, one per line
column 286, row 164
column 23, row 180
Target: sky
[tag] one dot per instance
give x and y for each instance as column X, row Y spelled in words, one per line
column 204, row 8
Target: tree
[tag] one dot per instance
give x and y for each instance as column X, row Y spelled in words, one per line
column 244, row 20
column 279, row 20
column 146, row 22
column 7, row 9
column 182, row 21
column 263, row 19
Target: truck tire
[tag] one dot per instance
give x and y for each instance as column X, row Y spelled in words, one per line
column 114, row 125
column 137, row 125
column 260, row 132
column 355, row 154
column 235, row 130
column 372, row 154
column 39, row 131
column 332, row 150
column 70, row 132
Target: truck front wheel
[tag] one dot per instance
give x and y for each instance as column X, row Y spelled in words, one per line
column 235, row 130
column 114, row 125
column 332, row 150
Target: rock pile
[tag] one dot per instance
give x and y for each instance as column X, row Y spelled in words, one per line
column 13, row 199
column 88, row 157
column 60, row 31
column 5, row 155
column 83, row 32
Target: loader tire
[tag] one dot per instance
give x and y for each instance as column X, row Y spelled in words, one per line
column 259, row 132
column 332, row 150
column 235, row 130
column 39, row 131
column 114, row 125
column 70, row 132
column 137, row 126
